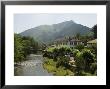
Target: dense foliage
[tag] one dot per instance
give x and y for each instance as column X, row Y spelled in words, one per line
column 94, row 29
column 85, row 62
column 85, row 59
column 50, row 65
column 23, row 46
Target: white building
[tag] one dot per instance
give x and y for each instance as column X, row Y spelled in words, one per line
column 68, row 42
column 74, row 42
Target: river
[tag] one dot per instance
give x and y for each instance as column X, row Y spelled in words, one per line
column 31, row 67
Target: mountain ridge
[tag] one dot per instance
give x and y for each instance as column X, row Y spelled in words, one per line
column 48, row 33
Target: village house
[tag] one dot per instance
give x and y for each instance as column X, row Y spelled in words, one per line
column 68, row 42
column 92, row 43
column 74, row 42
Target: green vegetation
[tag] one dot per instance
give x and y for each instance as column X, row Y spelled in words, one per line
column 50, row 65
column 57, row 52
column 85, row 61
column 94, row 30
column 79, row 47
column 85, row 58
column 23, row 46
column 57, row 62
column 62, row 60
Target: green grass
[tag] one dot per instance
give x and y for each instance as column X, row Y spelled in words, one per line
column 50, row 65
column 49, row 68
column 61, row 72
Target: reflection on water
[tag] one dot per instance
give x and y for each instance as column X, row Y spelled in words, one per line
column 31, row 67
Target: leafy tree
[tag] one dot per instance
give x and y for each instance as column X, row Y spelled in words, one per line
column 94, row 29
column 75, row 51
column 23, row 46
column 93, row 68
column 18, row 48
column 93, row 49
column 80, row 64
column 88, row 59
column 78, row 36
column 62, row 61
column 55, row 54
column 84, row 59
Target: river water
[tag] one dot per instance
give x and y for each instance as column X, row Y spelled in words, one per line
column 31, row 67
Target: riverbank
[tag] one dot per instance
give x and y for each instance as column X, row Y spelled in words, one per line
column 50, row 66
column 31, row 67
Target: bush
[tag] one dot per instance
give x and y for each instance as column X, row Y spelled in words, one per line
column 79, row 47
column 84, row 60
column 93, row 68
column 83, row 73
column 62, row 61
column 75, row 51
column 80, row 62
column 50, row 65
column 55, row 52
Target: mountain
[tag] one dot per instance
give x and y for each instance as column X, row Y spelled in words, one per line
column 49, row 33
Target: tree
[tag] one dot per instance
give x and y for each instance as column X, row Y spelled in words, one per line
column 18, row 48
column 83, row 62
column 79, row 47
column 62, row 61
column 79, row 62
column 22, row 47
column 78, row 35
column 94, row 29
column 55, row 54
column 88, row 58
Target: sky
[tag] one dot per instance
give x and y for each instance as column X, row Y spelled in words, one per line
column 24, row 22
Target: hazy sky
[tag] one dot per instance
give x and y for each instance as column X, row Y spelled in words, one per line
column 23, row 22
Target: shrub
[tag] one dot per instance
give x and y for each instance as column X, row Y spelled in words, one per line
column 93, row 68
column 79, row 47
column 83, row 62
column 62, row 61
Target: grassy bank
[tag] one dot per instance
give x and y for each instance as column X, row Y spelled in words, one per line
column 50, row 66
